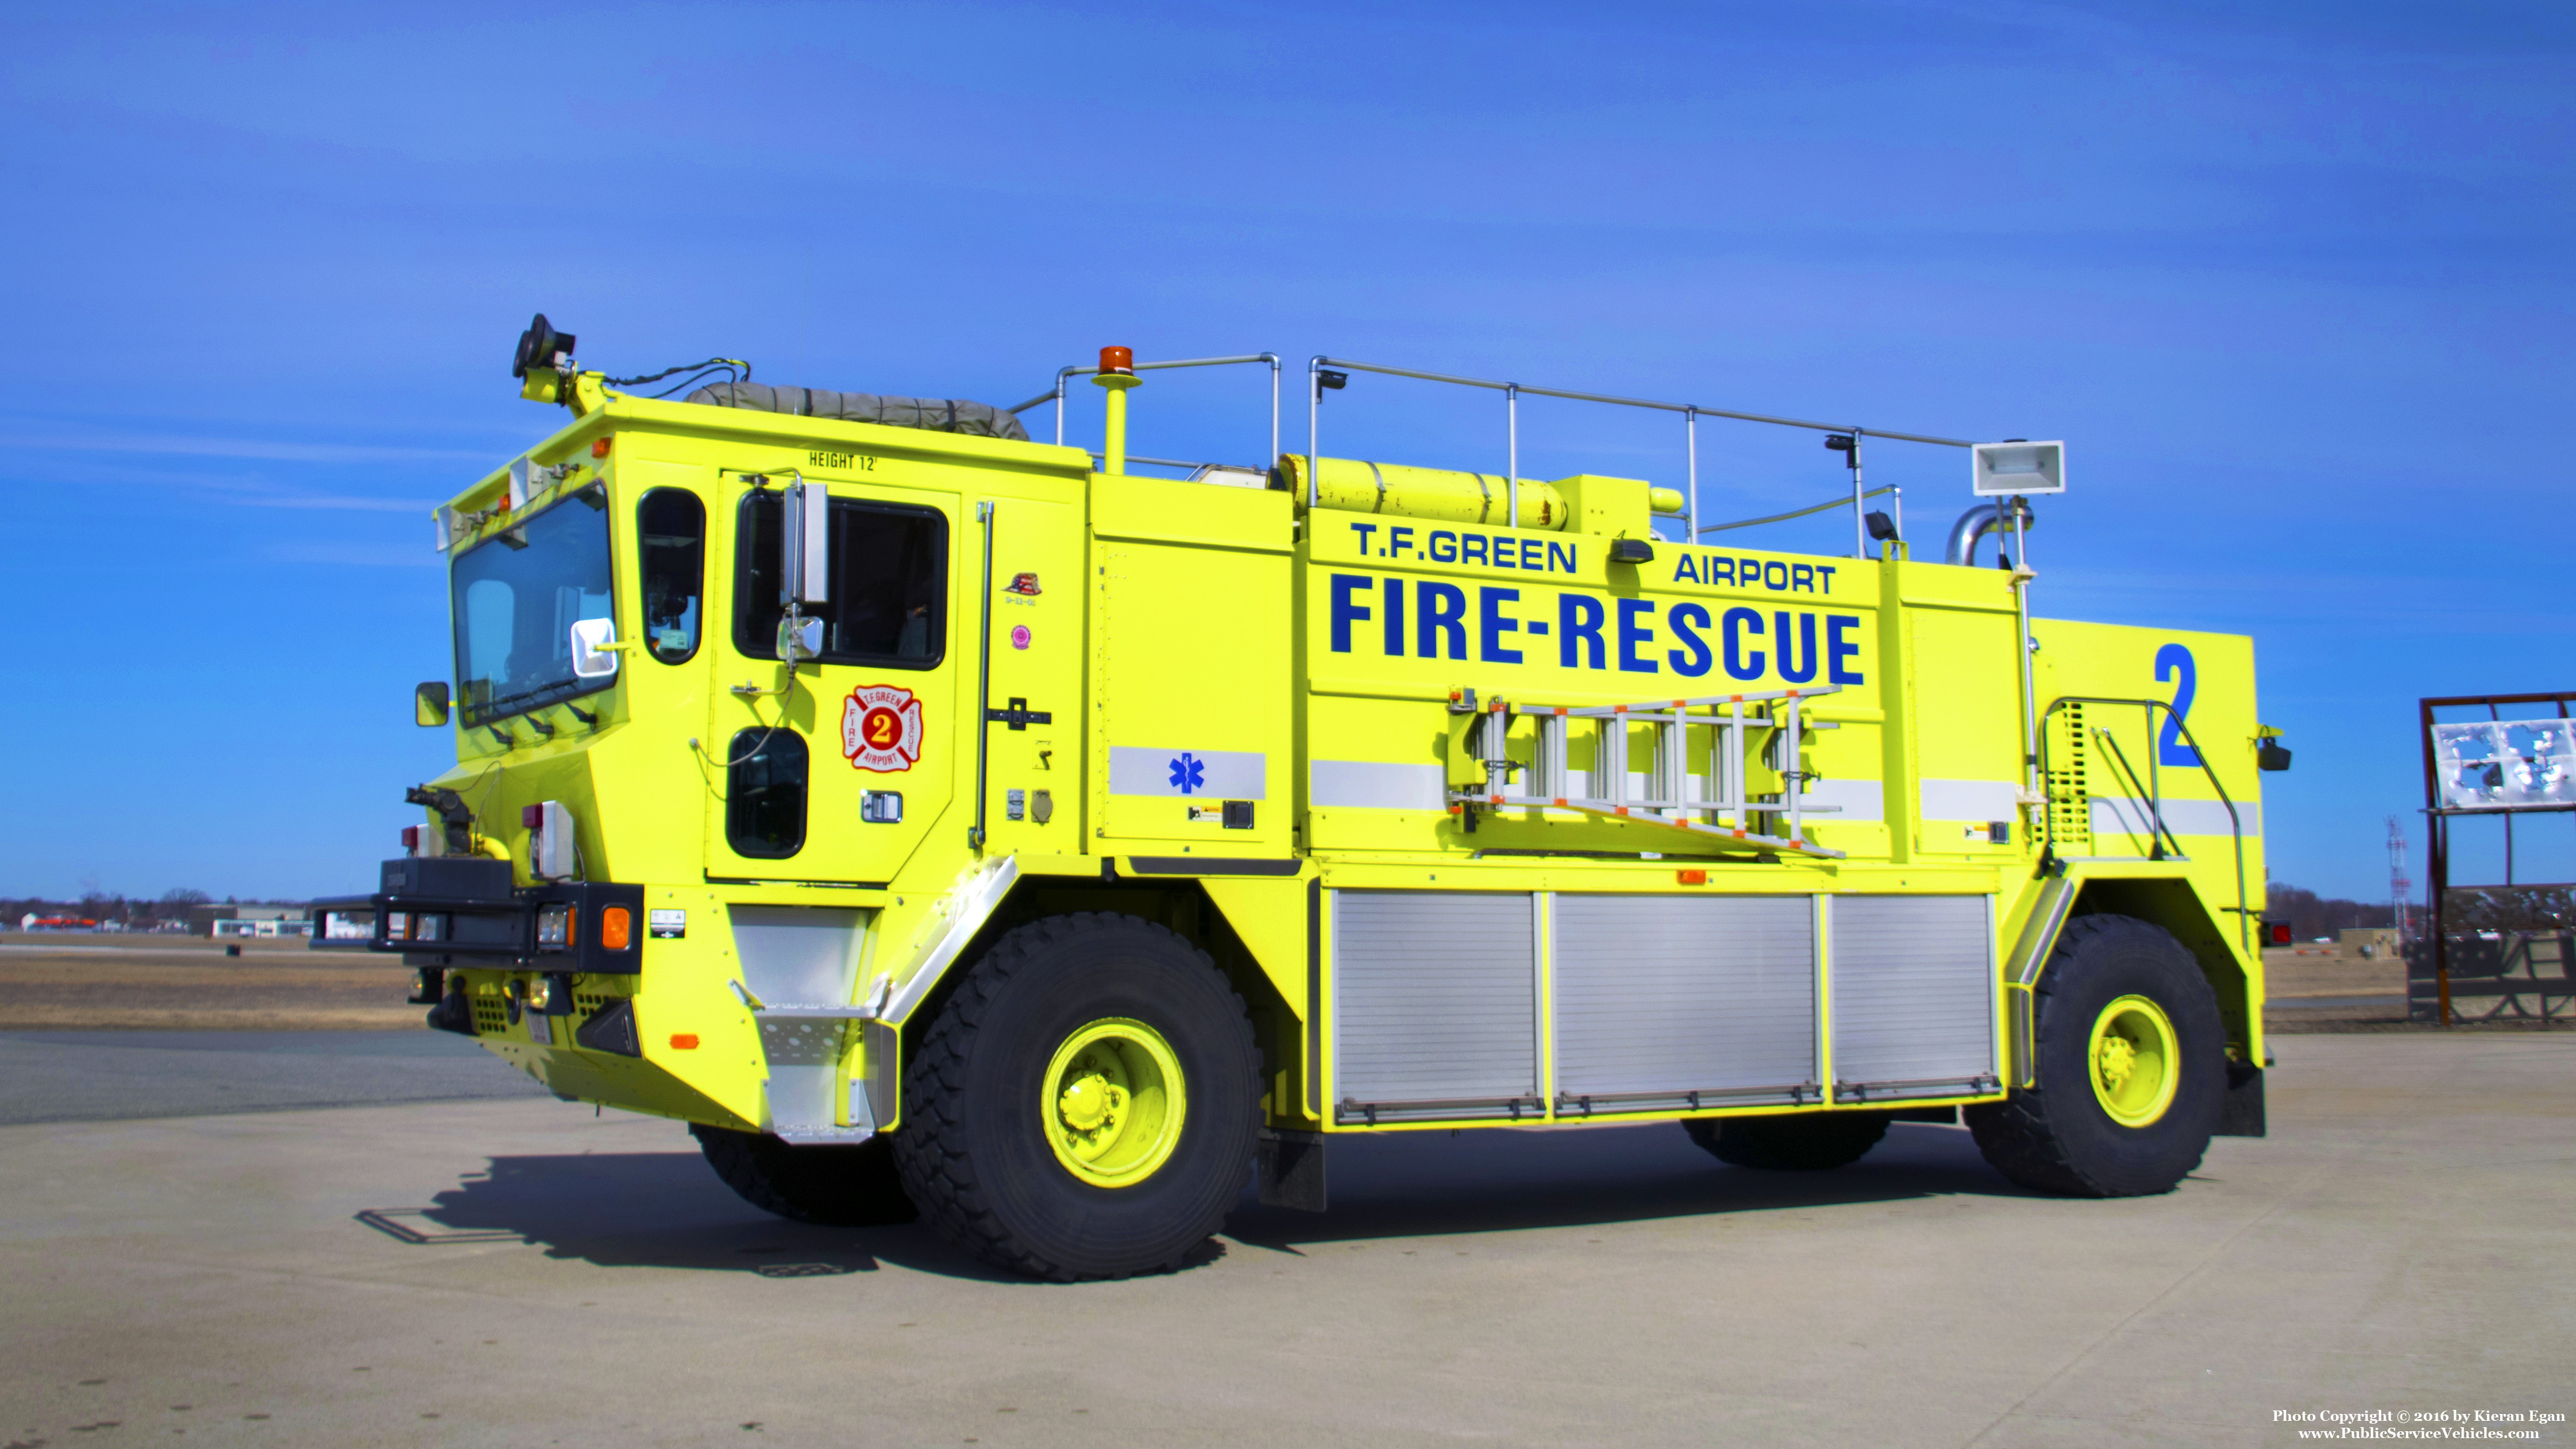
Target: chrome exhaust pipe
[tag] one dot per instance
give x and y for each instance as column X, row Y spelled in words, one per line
column 1979, row 521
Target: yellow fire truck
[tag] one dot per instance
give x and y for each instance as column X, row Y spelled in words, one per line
column 1181, row 823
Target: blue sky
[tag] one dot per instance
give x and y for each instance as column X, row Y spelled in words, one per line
column 2293, row 282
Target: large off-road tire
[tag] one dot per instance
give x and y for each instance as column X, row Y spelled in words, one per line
column 1084, row 1105
column 853, row 1187
column 1808, row 1143
column 2131, row 1068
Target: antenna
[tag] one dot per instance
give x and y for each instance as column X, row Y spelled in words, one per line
column 2399, row 887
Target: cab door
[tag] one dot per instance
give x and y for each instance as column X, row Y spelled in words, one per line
column 836, row 772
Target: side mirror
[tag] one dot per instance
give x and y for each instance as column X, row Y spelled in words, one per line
column 594, row 648
column 799, row 639
column 429, row 704
column 805, row 572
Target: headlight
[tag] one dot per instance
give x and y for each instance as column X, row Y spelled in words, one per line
column 555, row 928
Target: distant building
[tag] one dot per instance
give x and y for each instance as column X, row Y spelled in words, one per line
column 220, row 921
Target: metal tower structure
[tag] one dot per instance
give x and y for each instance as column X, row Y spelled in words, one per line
column 2399, row 887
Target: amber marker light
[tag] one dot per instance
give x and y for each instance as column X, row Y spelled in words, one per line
column 615, row 928
column 1693, row 877
column 686, row 1041
column 1118, row 361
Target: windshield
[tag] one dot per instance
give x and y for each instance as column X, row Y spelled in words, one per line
column 517, row 596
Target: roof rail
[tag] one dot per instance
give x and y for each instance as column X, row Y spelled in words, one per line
column 1846, row 437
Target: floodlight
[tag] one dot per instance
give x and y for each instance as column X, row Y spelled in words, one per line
column 2017, row 465
column 539, row 347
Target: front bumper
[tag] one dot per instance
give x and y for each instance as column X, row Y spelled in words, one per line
column 462, row 911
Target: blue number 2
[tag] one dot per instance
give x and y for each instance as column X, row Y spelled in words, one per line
column 2172, row 660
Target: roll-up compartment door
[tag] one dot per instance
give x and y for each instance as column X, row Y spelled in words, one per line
column 1684, row 1001
column 1435, row 1005
column 1913, row 996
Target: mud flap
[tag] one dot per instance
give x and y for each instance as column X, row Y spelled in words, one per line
column 2241, row 1114
column 1291, row 1169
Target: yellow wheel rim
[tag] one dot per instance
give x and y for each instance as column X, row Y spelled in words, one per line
column 1112, row 1101
column 2136, row 1061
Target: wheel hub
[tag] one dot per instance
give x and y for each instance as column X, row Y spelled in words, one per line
column 1091, row 1103
column 2136, row 1061
column 2119, row 1061
column 1114, row 1102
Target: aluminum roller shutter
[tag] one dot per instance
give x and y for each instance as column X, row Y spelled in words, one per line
column 1435, row 1000
column 1913, row 994
column 1660, row 996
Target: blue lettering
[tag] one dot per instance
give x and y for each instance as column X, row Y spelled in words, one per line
column 2174, row 662
column 1530, row 558
column 1578, row 622
column 1687, row 568
column 1688, row 620
column 1364, row 530
column 1395, row 618
column 1560, row 558
column 1748, row 573
column 1443, row 546
column 1803, row 577
column 1838, row 649
column 1632, row 633
column 1738, row 664
column 1826, row 573
column 1472, row 548
column 1536, row 626
column 1789, row 669
column 1398, row 541
column 1505, row 552
column 1442, row 611
column 1493, row 626
column 1347, row 610
column 1720, row 570
column 1769, row 582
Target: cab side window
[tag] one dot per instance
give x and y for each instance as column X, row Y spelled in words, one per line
column 765, row 793
column 889, row 583
column 671, row 534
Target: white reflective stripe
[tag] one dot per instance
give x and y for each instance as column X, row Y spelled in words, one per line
column 1215, row 774
column 1375, row 785
column 2114, row 815
column 1859, row 799
column 1970, row 799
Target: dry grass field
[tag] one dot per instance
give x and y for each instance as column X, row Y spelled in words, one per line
column 105, row 983
column 2287, row 977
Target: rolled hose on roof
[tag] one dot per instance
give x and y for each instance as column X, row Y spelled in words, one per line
column 938, row 415
column 1349, row 485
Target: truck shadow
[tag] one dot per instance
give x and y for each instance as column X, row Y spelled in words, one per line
column 667, row 1209
column 1409, row 1184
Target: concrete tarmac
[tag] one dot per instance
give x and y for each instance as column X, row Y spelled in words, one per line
column 518, row 1272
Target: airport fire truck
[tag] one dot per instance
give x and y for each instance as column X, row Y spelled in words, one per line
column 952, row 824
